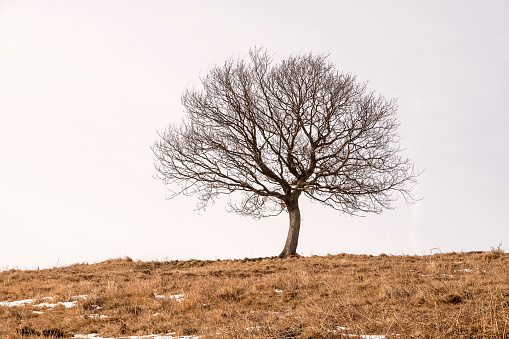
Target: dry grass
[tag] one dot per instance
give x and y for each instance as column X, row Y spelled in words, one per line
column 455, row 295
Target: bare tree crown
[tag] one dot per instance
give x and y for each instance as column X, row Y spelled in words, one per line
column 273, row 131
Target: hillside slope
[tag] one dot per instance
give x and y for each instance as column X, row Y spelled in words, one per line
column 455, row 295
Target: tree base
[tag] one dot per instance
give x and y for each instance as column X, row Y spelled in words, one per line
column 286, row 254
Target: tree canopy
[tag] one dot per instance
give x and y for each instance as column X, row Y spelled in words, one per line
column 273, row 131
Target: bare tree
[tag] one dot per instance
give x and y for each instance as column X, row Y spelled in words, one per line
column 275, row 131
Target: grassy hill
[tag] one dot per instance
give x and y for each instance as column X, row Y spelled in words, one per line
column 454, row 295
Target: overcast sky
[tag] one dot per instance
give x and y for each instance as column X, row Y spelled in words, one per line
column 86, row 85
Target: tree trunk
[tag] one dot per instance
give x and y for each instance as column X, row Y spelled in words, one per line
column 293, row 232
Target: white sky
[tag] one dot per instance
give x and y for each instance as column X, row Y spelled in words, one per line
column 86, row 85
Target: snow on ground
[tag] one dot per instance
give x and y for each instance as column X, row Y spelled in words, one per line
column 44, row 304
column 152, row 336
column 17, row 303
column 170, row 335
column 176, row 297
column 365, row 336
column 341, row 329
column 66, row 304
column 97, row 316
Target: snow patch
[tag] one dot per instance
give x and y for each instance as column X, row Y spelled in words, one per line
column 341, row 329
column 254, row 328
column 69, row 304
column 152, row 336
column 17, row 303
column 97, row 316
column 176, row 297
column 45, row 304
